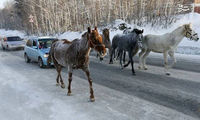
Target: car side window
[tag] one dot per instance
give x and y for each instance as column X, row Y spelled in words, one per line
column 29, row 43
column 34, row 43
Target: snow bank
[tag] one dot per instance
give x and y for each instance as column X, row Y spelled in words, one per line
column 70, row 35
column 4, row 33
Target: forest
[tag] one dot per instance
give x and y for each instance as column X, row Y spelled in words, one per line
column 58, row 16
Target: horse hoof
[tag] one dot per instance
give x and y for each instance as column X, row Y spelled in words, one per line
column 92, row 99
column 139, row 67
column 145, row 68
column 125, row 66
column 168, row 73
column 62, row 86
column 57, row 84
column 134, row 74
column 110, row 62
column 69, row 94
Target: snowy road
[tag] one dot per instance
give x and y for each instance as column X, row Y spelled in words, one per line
column 28, row 92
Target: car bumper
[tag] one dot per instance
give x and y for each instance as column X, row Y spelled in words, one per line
column 45, row 62
column 11, row 47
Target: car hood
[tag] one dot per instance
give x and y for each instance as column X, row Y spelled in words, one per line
column 46, row 50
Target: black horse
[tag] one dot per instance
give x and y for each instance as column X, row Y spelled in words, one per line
column 127, row 42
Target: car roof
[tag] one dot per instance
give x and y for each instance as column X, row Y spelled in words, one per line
column 46, row 37
column 11, row 36
column 43, row 37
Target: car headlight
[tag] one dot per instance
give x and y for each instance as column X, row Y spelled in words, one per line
column 46, row 55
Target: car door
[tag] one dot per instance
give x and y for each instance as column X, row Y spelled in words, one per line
column 35, row 50
column 28, row 48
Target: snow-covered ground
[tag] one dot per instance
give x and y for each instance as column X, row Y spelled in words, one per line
column 185, row 47
column 37, row 98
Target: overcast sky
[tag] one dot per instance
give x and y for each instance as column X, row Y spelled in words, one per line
column 2, row 2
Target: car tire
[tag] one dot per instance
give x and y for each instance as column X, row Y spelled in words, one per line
column 40, row 63
column 3, row 47
column 27, row 60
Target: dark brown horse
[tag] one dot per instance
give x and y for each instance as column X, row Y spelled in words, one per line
column 75, row 55
column 106, row 41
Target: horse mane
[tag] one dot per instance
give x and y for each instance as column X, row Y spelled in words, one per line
column 66, row 41
column 54, row 41
column 137, row 31
column 84, row 34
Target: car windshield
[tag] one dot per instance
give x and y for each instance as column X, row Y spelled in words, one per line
column 45, row 43
column 14, row 39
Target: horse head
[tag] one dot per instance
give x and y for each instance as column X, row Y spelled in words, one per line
column 96, row 42
column 139, row 33
column 106, row 33
column 190, row 33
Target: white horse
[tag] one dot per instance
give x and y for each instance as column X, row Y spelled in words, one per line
column 166, row 44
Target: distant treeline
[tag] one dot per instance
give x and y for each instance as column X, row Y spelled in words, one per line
column 57, row 16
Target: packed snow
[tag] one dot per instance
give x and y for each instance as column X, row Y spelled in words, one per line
column 37, row 97
column 185, row 47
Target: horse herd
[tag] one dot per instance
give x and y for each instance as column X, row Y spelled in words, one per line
column 75, row 54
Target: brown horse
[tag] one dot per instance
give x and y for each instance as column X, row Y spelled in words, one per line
column 75, row 55
column 106, row 41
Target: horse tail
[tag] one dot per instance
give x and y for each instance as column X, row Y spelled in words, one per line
column 49, row 59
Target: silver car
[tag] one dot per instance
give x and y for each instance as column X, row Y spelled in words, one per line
column 14, row 42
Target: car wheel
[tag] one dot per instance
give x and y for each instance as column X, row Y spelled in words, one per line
column 40, row 63
column 27, row 60
column 3, row 47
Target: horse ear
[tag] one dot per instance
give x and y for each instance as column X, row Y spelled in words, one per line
column 95, row 28
column 142, row 30
column 190, row 24
column 89, row 30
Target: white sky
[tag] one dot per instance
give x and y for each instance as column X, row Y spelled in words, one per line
column 2, row 2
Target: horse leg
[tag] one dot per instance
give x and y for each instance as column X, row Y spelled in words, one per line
column 132, row 62
column 57, row 69
column 111, row 56
column 117, row 54
column 171, row 54
column 135, row 51
column 120, row 55
column 110, row 51
column 86, row 70
column 140, row 58
column 69, row 80
column 61, row 81
column 133, row 54
column 124, row 57
column 144, row 59
column 166, row 63
column 126, row 65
